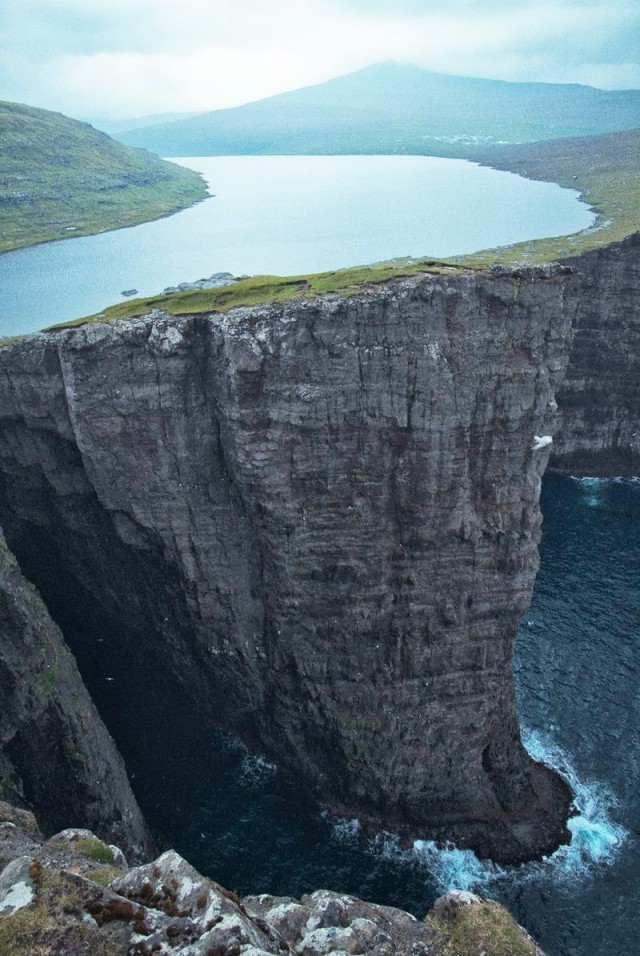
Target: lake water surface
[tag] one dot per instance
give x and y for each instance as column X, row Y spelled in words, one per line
column 287, row 215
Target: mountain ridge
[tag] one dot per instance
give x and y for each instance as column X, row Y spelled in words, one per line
column 391, row 107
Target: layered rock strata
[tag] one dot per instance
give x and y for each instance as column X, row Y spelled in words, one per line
column 55, row 752
column 599, row 401
column 320, row 520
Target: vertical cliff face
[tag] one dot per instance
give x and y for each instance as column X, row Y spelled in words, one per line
column 316, row 524
column 599, row 416
column 55, row 752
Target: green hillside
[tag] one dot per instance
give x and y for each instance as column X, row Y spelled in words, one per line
column 604, row 169
column 396, row 108
column 61, row 178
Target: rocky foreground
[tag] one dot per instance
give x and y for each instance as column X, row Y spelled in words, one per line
column 75, row 895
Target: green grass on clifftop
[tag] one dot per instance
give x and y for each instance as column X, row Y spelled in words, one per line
column 261, row 290
column 61, row 178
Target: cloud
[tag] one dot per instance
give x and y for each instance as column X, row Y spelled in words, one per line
column 129, row 57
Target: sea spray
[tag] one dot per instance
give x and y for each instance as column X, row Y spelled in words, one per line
column 344, row 830
column 452, row 868
column 255, row 770
column 595, row 839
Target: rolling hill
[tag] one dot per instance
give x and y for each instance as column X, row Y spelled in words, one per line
column 395, row 108
column 62, row 178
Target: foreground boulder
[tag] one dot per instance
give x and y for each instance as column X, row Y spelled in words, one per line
column 75, row 895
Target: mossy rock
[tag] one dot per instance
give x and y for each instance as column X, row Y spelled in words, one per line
column 23, row 819
column 94, row 849
column 52, row 924
column 84, row 845
column 467, row 925
column 104, row 875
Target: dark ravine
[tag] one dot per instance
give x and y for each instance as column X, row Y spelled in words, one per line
column 55, row 752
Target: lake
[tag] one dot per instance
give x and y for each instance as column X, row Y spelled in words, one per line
column 287, row 215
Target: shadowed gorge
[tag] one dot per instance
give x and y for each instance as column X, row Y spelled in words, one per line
column 55, row 752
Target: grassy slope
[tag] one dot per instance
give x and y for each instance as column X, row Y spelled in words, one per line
column 603, row 168
column 396, row 108
column 606, row 171
column 61, row 178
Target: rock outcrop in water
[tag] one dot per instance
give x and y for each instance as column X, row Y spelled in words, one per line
column 75, row 895
column 318, row 523
column 55, row 752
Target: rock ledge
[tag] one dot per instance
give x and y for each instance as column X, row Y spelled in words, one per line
column 76, row 895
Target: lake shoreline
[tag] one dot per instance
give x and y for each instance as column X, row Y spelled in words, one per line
column 287, row 216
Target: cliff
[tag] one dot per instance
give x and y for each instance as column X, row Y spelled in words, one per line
column 599, row 400
column 55, row 752
column 313, row 523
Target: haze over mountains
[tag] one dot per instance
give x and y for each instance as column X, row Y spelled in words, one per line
column 395, row 108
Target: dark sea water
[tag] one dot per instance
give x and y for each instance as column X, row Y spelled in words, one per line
column 287, row 215
column 578, row 663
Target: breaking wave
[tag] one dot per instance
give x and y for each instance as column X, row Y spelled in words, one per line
column 595, row 838
column 255, row 770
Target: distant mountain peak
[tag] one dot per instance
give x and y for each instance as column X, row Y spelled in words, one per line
column 395, row 106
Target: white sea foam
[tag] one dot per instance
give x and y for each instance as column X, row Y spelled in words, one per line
column 345, row 831
column 454, row 869
column 256, row 770
column 595, row 839
column 592, row 487
column 595, row 479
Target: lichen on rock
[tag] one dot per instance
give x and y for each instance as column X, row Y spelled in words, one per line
column 167, row 908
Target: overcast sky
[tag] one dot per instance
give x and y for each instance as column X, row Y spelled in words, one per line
column 125, row 58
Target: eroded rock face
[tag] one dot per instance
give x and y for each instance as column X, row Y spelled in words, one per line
column 599, row 401
column 55, row 752
column 322, row 518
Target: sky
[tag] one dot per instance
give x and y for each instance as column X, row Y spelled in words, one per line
column 130, row 58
